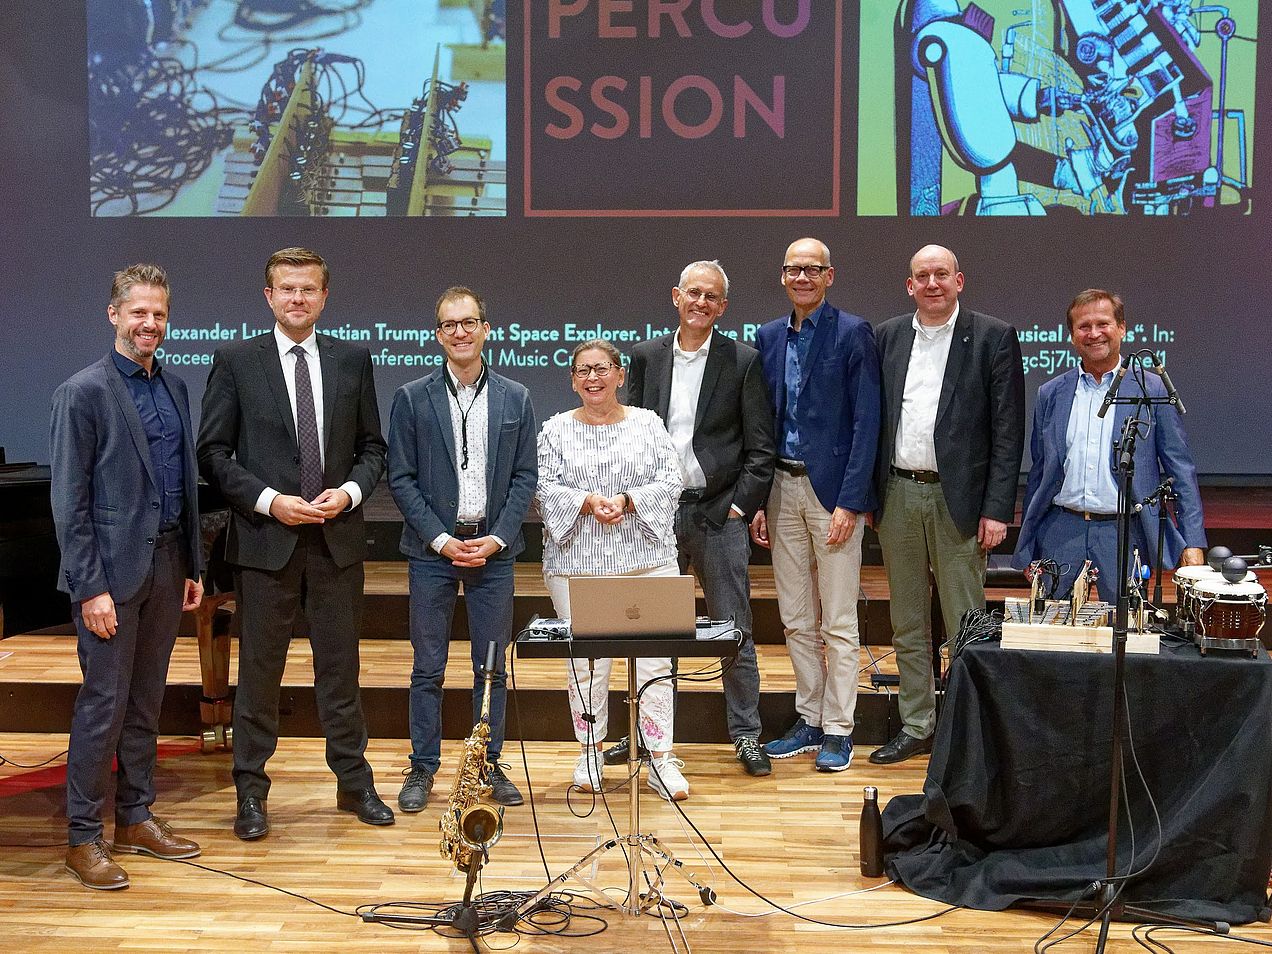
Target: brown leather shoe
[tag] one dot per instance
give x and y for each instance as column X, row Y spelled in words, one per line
column 153, row 837
column 92, row 866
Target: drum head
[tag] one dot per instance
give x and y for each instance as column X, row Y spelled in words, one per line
column 1193, row 573
column 1221, row 589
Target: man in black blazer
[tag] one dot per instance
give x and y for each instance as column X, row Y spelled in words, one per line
column 949, row 463
column 126, row 510
column 709, row 390
column 291, row 437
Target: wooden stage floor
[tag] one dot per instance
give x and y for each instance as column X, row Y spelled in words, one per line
column 792, row 836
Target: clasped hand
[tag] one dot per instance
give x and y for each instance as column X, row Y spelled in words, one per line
column 607, row 510
column 292, row 511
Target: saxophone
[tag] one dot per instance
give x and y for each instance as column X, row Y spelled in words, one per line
column 469, row 825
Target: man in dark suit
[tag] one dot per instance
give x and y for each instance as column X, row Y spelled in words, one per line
column 949, row 462
column 126, row 511
column 1070, row 511
column 463, row 469
column 709, row 391
column 291, row 438
column 822, row 372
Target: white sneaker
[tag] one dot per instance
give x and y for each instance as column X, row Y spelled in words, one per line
column 589, row 770
column 666, row 779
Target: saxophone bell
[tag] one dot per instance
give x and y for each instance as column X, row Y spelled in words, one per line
column 480, row 826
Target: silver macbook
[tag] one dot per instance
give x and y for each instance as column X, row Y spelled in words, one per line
column 632, row 607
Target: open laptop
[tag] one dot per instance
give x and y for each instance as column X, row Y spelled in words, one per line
column 632, row 607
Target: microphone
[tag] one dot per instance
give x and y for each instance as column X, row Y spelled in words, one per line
column 1117, row 383
column 1171, row 394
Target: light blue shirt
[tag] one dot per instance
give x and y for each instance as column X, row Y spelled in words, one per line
column 1088, row 478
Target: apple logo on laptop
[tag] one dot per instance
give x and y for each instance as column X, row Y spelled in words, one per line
column 633, row 612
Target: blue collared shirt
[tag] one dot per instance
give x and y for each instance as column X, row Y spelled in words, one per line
column 162, row 424
column 797, row 346
column 1088, row 478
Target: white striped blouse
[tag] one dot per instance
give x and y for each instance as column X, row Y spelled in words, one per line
column 634, row 456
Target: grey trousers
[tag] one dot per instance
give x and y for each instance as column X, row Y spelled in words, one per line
column 721, row 557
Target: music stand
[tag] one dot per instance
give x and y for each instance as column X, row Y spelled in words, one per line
column 635, row 843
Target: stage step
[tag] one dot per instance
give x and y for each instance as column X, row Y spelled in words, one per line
column 40, row 677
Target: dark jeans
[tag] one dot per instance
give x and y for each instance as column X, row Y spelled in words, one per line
column 488, row 599
column 721, row 558
column 270, row 603
column 117, row 708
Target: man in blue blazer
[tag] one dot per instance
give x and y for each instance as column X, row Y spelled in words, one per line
column 125, row 506
column 1070, row 511
column 463, row 469
column 821, row 368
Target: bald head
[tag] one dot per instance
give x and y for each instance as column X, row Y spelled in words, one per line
column 934, row 253
column 809, row 246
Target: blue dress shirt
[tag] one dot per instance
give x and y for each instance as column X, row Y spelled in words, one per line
column 162, row 424
column 1088, row 477
column 797, row 345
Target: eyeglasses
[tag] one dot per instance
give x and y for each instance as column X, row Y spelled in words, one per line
column 694, row 294
column 448, row 328
column 812, row 271
column 584, row 371
column 290, row 291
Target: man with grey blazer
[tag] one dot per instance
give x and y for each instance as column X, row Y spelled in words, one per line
column 950, row 444
column 125, row 506
column 463, row 469
column 291, row 438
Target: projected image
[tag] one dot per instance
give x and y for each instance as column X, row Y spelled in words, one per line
column 1037, row 107
column 297, row 107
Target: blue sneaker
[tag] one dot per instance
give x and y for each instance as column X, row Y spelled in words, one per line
column 801, row 737
column 835, row 754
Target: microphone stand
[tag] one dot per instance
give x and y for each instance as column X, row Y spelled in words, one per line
column 1110, row 905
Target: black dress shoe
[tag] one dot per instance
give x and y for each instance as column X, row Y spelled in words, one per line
column 903, row 746
column 416, row 789
column 617, row 753
column 501, row 788
column 251, row 822
column 366, row 804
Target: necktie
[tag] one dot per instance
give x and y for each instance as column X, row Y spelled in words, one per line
column 307, row 429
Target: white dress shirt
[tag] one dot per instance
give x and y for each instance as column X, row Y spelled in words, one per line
column 288, row 361
column 916, row 443
column 687, row 369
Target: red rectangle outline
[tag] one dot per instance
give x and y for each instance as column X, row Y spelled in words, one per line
column 529, row 212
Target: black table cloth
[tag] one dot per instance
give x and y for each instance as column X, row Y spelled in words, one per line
column 1015, row 804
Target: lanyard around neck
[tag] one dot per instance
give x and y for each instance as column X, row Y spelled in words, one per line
column 463, row 411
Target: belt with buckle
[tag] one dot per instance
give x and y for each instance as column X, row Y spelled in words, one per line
column 466, row 529
column 796, row 468
column 1089, row 516
column 918, row 476
column 691, row 494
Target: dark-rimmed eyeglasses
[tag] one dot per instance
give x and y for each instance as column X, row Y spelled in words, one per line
column 448, row 328
column 812, row 271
